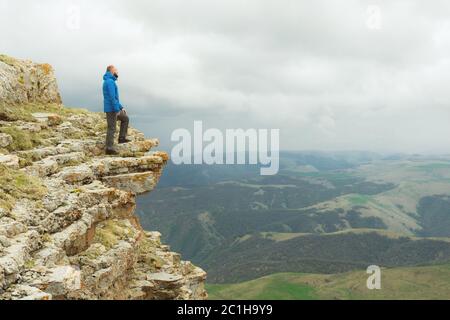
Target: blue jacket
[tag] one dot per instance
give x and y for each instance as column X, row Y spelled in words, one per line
column 111, row 101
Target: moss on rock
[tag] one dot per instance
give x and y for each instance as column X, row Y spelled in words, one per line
column 110, row 232
column 8, row 60
column 25, row 112
column 15, row 184
column 24, row 139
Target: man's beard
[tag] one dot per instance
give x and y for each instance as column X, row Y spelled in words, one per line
column 116, row 75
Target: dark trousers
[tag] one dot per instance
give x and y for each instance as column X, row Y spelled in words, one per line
column 111, row 119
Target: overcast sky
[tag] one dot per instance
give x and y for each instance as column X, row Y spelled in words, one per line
column 332, row 75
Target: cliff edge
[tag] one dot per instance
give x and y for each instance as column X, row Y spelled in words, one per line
column 67, row 223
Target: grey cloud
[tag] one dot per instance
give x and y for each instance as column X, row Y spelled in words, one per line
column 312, row 68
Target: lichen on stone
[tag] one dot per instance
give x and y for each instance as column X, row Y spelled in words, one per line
column 46, row 68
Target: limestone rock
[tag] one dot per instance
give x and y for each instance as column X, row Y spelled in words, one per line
column 5, row 140
column 22, row 81
column 50, row 118
column 63, row 280
column 67, row 223
column 80, row 173
column 32, row 293
column 135, row 182
column 164, row 278
column 9, row 160
column 43, row 168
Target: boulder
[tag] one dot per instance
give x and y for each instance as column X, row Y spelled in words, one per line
column 134, row 182
column 5, row 140
column 51, row 119
column 62, row 280
column 10, row 161
column 31, row 293
column 23, row 81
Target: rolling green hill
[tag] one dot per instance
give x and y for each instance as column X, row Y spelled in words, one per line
column 431, row 282
column 259, row 255
column 324, row 213
column 196, row 220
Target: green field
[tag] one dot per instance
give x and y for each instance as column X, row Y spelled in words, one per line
column 418, row 283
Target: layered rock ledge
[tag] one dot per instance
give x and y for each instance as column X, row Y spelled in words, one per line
column 67, row 223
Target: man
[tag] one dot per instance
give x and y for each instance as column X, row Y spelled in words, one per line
column 114, row 110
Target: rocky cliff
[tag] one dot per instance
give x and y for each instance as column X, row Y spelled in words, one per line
column 67, row 223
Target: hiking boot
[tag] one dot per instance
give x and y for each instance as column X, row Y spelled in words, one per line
column 122, row 141
column 111, row 152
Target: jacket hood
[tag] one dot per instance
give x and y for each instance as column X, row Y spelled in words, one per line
column 109, row 75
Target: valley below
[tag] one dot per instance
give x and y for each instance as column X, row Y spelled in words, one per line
column 315, row 227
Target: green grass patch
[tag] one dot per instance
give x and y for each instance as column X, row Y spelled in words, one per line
column 359, row 199
column 24, row 139
column 433, row 166
column 15, row 184
column 24, row 112
column 6, row 59
column 110, row 232
column 275, row 287
column 416, row 283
